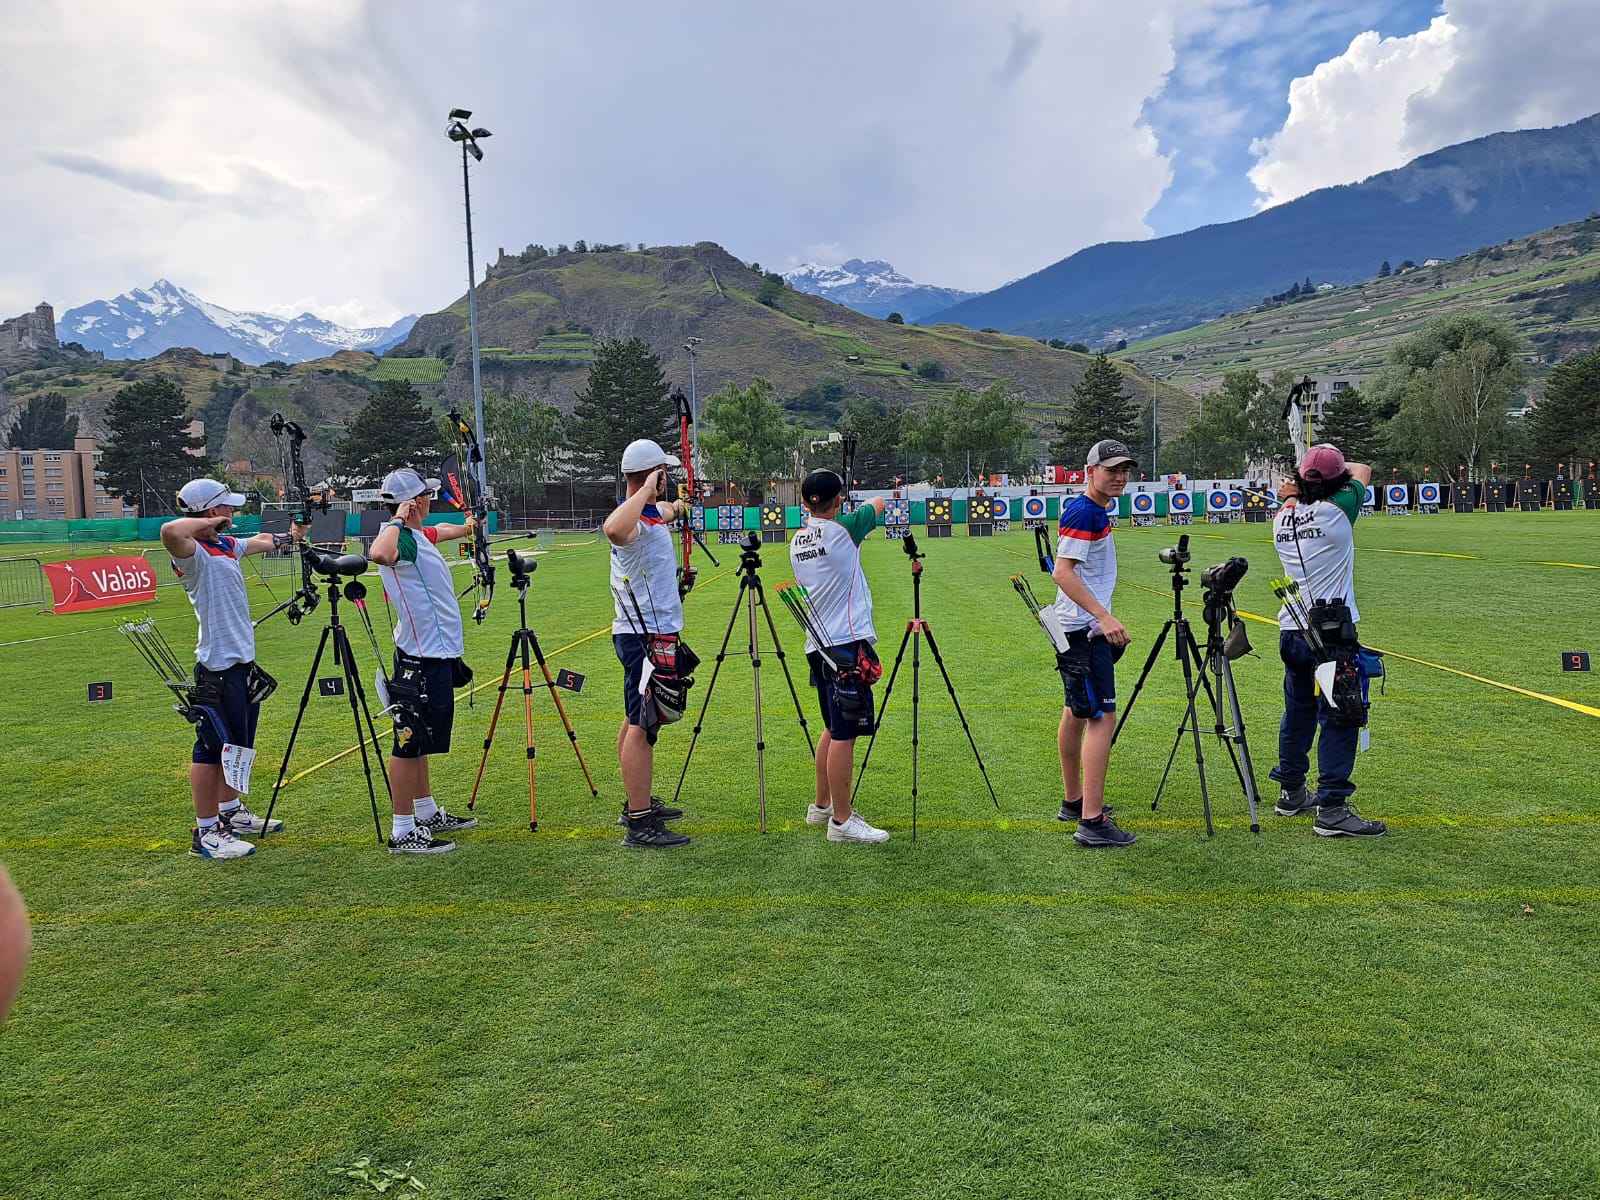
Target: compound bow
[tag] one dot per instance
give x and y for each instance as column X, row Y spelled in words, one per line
column 471, row 485
column 303, row 602
column 848, row 477
column 688, row 493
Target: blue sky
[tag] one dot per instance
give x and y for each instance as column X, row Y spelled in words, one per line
column 289, row 155
column 1229, row 86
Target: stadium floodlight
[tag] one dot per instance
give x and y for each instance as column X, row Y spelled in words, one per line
column 456, row 131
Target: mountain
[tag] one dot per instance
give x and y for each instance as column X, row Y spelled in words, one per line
column 1444, row 204
column 144, row 322
column 873, row 288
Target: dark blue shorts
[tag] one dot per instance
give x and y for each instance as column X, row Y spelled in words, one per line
column 847, row 708
column 631, row 653
column 437, row 712
column 228, row 702
column 1091, row 689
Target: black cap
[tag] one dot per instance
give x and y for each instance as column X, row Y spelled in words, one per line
column 819, row 487
column 1110, row 453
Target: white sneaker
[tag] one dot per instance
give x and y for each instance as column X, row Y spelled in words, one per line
column 218, row 842
column 818, row 816
column 855, row 829
column 242, row 820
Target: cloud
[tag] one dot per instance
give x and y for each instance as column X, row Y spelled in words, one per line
column 1480, row 67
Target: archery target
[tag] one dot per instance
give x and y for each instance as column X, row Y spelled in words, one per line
column 1396, row 495
column 730, row 516
column 1217, row 501
column 772, row 516
column 1112, row 506
column 1427, row 493
column 1033, row 508
column 939, row 510
column 1144, row 502
column 1179, row 502
column 898, row 513
column 1235, row 499
column 697, row 519
column 1372, row 496
column 1001, row 509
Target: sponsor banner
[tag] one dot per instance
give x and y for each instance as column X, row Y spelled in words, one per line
column 84, row 583
column 362, row 496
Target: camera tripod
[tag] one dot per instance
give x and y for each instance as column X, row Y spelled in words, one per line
column 751, row 596
column 332, row 568
column 523, row 642
column 916, row 629
column 1198, row 667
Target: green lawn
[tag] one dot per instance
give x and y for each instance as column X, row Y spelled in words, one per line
column 986, row 1011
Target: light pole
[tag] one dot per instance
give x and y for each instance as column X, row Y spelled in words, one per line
column 457, row 131
column 694, row 411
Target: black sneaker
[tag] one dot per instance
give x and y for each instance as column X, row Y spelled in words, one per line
column 419, row 841
column 658, row 808
column 1102, row 831
column 647, row 832
column 1340, row 820
column 1072, row 810
column 1292, row 804
column 445, row 822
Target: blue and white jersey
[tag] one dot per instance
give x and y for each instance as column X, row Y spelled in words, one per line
column 1084, row 536
column 649, row 568
column 214, row 582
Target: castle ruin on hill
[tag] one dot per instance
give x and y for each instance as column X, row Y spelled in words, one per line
column 30, row 332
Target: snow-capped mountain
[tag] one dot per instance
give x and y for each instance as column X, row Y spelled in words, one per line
column 874, row 288
column 145, row 321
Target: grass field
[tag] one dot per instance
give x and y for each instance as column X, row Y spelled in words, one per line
column 986, row 1011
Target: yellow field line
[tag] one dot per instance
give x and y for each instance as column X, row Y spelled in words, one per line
column 1534, row 562
column 1513, row 898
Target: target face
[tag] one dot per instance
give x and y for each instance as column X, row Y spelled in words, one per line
column 1033, row 508
column 1217, row 501
column 697, row 519
column 771, row 517
column 1179, row 502
column 1372, row 496
column 1001, row 509
column 898, row 512
column 1427, row 493
column 1144, row 502
column 1235, row 499
column 1395, row 494
column 730, row 516
column 939, row 511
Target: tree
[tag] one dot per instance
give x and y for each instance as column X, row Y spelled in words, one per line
column 43, row 424
column 149, row 449
column 895, row 318
column 1099, row 408
column 393, row 430
column 1239, row 427
column 1565, row 424
column 771, row 289
column 1447, row 387
column 1348, row 422
column 521, row 441
column 931, row 369
column 1384, row 271
column 966, row 433
column 878, row 430
column 625, row 398
column 746, row 439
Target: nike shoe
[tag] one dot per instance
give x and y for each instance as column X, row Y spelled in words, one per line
column 855, row 829
column 818, row 816
column 218, row 842
column 241, row 820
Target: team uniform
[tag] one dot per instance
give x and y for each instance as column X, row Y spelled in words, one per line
column 428, row 638
column 826, row 556
column 1316, row 544
column 646, row 565
column 213, row 580
column 1084, row 536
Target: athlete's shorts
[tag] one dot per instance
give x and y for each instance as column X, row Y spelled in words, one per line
column 631, row 653
column 225, row 693
column 1091, row 686
column 847, row 708
column 437, row 712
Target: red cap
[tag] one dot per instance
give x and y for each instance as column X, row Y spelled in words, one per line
column 1322, row 462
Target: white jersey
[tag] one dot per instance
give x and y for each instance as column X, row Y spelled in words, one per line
column 1085, row 537
column 1317, row 546
column 214, row 582
column 647, row 565
column 423, row 592
column 826, row 558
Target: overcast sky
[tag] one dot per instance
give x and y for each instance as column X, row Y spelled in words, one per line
column 291, row 156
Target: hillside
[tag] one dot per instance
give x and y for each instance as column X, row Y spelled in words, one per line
column 539, row 322
column 1547, row 285
column 1444, row 204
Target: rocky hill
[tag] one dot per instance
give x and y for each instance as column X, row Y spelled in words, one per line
column 1448, row 203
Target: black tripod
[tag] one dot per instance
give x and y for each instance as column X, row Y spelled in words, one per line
column 916, row 629
column 524, row 642
column 751, row 596
column 1198, row 668
column 332, row 568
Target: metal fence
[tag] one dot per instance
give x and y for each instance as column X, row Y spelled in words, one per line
column 22, row 582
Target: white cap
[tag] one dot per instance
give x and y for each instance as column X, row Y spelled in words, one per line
column 644, row 454
column 198, row 495
column 405, row 484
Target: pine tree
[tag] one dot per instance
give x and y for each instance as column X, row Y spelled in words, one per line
column 625, row 398
column 394, row 430
column 1348, row 422
column 150, row 452
column 1566, row 421
column 1385, row 270
column 43, row 424
column 1099, row 408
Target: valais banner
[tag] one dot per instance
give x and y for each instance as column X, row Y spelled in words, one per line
column 85, row 583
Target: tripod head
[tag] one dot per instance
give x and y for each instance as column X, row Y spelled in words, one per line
column 909, row 545
column 750, row 553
